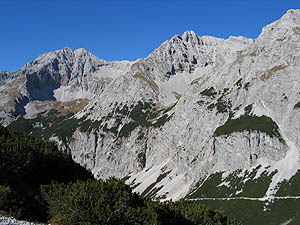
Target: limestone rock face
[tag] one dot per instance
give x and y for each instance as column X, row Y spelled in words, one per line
column 193, row 107
column 78, row 73
column 64, row 75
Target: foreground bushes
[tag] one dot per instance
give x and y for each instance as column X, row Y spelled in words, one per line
column 25, row 164
column 95, row 202
column 113, row 202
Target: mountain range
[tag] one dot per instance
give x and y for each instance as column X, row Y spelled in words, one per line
column 199, row 118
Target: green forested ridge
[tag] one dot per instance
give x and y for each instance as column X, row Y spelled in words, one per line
column 40, row 183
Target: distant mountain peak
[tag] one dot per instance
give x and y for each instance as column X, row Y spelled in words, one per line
column 81, row 50
column 292, row 14
column 66, row 49
column 189, row 35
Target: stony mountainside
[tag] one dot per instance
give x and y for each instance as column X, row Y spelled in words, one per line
column 11, row 221
column 195, row 107
column 62, row 76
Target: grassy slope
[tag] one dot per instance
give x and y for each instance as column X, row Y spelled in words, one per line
column 252, row 212
column 238, row 185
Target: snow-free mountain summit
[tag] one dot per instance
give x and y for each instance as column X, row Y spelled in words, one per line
column 196, row 110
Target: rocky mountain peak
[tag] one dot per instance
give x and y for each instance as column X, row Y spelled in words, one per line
column 51, row 59
column 287, row 26
column 66, row 50
column 292, row 15
column 189, row 36
column 81, row 52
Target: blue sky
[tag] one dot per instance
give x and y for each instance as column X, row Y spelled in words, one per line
column 123, row 29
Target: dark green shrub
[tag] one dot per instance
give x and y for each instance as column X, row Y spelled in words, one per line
column 96, row 202
column 26, row 163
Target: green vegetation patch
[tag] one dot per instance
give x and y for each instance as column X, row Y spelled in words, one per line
column 141, row 159
column 256, row 188
column 41, row 126
column 209, row 92
column 239, row 83
column 144, row 115
column 150, row 191
column 47, row 126
column 236, row 184
column 249, row 123
column 94, row 202
column 290, row 187
column 209, row 188
column 222, row 104
column 113, row 202
column 246, row 86
column 249, row 212
column 297, row 106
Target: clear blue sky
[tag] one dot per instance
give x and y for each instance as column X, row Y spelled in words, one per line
column 123, row 29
